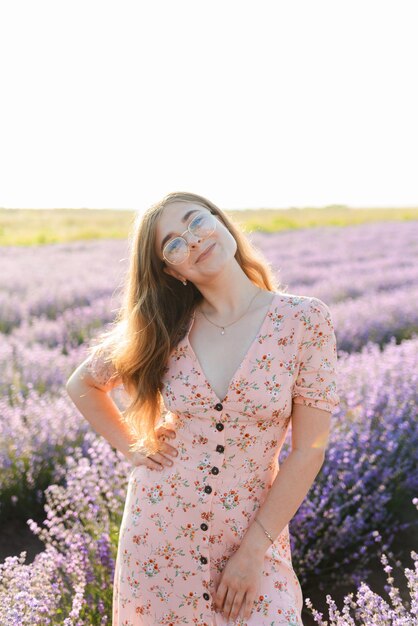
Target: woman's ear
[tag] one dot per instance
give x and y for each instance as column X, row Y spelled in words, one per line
column 172, row 272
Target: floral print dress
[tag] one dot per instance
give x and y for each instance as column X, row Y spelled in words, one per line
column 181, row 525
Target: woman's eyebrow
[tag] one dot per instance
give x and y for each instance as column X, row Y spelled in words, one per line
column 183, row 219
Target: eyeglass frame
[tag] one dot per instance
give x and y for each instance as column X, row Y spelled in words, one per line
column 185, row 240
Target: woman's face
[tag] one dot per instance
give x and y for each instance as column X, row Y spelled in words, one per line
column 172, row 222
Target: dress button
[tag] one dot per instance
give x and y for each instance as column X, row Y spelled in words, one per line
column 208, row 489
column 218, row 406
column 206, row 596
column 204, row 526
column 219, row 426
column 215, row 470
column 220, row 448
column 203, row 559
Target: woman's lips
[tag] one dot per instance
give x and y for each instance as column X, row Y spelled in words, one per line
column 206, row 253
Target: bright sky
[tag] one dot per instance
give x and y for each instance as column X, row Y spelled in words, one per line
column 266, row 103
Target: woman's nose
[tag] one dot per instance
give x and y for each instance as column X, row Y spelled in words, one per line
column 193, row 240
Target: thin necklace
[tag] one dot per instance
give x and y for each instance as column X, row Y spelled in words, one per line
column 223, row 327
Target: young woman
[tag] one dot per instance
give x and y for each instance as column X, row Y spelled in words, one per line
column 217, row 362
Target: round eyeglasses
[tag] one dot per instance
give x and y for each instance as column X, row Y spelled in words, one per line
column 177, row 250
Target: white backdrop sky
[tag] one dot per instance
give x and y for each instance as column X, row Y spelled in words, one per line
column 252, row 104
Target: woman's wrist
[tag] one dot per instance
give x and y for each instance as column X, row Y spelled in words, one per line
column 255, row 541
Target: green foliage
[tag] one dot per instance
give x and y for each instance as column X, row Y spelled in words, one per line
column 33, row 227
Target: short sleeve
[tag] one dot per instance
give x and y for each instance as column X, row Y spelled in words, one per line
column 102, row 370
column 316, row 382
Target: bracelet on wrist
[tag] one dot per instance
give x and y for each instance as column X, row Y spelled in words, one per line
column 265, row 531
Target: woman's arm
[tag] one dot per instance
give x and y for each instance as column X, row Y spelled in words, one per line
column 310, row 431
column 89, row 387
column 90, row 395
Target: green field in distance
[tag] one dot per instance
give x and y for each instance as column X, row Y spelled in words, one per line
column 27, row 227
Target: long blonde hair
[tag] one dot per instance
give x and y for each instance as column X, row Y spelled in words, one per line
column 155, row 314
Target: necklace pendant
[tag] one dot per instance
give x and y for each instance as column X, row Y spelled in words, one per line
column 223, row 331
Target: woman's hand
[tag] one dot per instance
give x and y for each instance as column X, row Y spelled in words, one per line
column 158, row 460
column 239, row 584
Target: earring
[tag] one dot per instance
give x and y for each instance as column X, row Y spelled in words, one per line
column 184, row 282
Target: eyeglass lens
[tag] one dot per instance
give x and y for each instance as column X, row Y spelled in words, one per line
column 202, row 225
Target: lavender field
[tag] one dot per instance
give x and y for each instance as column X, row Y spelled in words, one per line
column 67, row 485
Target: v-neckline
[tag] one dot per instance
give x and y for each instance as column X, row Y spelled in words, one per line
column 240, row 366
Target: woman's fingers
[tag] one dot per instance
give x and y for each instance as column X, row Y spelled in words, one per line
column 168, row 432
column 154, row 465
column 159, row 459
column 248, row 603
column 166, row 447
column 166, row 436
column 229, row 603
column 236, row 605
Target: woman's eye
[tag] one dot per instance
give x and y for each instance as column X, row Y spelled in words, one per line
column 198, row 220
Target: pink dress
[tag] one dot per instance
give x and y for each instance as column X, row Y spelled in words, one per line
column 181, row 525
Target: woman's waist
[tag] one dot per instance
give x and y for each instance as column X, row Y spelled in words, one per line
column 215, row 457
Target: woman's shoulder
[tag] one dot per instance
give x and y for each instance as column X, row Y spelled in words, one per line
column 302, row 307
column 292, row 299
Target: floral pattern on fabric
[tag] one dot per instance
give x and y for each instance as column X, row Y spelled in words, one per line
column 180, row 525
column 102, row 370
column 316, row 383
